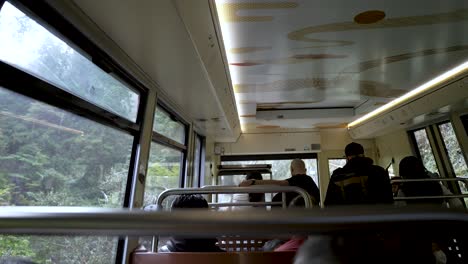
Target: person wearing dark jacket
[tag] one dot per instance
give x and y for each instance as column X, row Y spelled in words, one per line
column 177, row 244
column 359, row 181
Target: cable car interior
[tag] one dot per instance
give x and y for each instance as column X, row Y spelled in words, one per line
column 233, row 131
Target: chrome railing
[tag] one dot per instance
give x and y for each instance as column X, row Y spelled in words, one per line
column 206, row 223
column 452, row 196
column 234, row 189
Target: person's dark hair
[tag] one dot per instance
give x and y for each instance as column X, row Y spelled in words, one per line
column 255, row 197
column 354, row 149
column 254, row 176
column 190, row 201
column 413, row 168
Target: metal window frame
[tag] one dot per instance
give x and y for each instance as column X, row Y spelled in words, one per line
column 58, row 25
column 287, row 156
column 34, row 87
column 415, row 147
column 448, row 165
column 168, row 142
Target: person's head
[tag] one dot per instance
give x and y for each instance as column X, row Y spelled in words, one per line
column 189, row 201
column 353, row 150
column 298, row 167
column 254, row 176
column 412, row 168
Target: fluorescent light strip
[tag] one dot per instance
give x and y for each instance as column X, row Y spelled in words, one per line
column 407, row 96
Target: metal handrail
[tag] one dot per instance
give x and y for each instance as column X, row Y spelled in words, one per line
column 464, row 180
column 244, row 204
column 206, row 223
column 452, row 196
column 234, row 190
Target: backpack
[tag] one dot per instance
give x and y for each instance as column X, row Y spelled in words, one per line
column 367, row 185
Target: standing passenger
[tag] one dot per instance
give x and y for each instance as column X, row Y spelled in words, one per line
column 358, row 182
column 299, row 178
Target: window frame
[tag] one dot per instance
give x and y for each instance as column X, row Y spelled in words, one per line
column 444, row 146
column 434, row 148
column 168, row 142
column 286, row 156
column 24, row 83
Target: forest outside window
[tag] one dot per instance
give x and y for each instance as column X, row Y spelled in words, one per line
column 425, row 150
column 30, row 47
column 49, row 157
column 167, row 125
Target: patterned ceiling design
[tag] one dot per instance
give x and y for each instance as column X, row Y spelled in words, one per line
column 358, row 54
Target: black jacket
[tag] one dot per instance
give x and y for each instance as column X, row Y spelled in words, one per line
column 359, row 182
column 302, row 181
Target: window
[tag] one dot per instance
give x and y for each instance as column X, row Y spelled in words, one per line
column 425, row 150
column 168, row 126
column 32, row 48
column 164, row 169
column 454, row 152
column 166, row 165
column 279, row 168
column 53, row 157
column 49, row 157
column 334, row 164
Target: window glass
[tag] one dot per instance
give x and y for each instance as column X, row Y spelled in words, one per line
column 334, row 164
column 279, row 168
column 167, row 126
column 29, row 46
column 163, row 172
column 425, row 150
column 454, row 152
column 59, row 249
column 49, row 157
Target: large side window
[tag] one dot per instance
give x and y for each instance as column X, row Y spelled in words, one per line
column 168, row 126
column 425, row 150
column 164, row 171
column 67, row 131
column 32, row 48
column 280, row 168
column 454, row 152
column 166, row 166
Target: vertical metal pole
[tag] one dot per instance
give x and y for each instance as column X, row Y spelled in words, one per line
column 141, row 165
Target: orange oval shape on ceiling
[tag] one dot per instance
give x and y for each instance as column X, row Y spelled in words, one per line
column 369, row 17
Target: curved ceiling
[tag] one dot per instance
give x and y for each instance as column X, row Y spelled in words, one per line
column 306, row 54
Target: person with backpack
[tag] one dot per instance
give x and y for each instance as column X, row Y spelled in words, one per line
column 359, row 181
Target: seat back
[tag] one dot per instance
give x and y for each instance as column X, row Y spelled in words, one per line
column 213, row 258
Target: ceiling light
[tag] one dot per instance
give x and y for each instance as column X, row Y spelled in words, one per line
column 411, row 94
